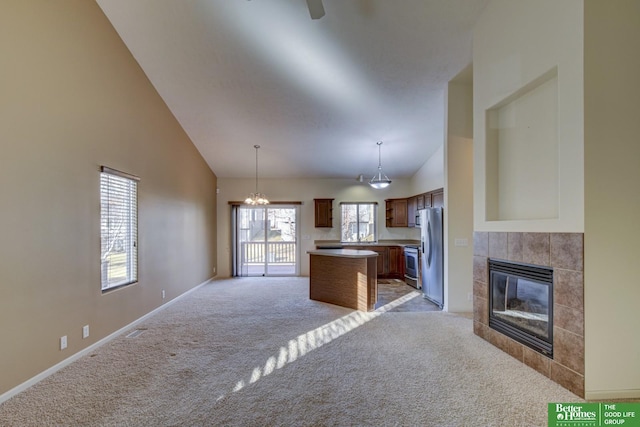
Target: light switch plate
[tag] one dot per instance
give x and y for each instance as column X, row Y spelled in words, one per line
column 461, row 242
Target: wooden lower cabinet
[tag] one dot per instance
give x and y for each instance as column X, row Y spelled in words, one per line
column 396, row 262
column 390, row 260
column 381, row 260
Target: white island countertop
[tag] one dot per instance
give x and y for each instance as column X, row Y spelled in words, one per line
column 344, row 253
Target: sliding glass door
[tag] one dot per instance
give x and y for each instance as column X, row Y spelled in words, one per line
column 266, row 242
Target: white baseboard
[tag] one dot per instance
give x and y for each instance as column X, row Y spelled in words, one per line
column 608, row 395
column 44, row 374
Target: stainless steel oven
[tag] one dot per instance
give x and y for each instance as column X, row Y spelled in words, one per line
column 412, row 266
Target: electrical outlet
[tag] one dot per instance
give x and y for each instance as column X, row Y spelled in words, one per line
column 214, row 270
column 163, row 295
column 85, row 331
column 63, row 342
column 470, row 296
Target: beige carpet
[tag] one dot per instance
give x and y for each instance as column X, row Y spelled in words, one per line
column 258, row 352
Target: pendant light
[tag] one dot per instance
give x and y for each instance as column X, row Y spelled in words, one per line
column 256, row 198
column 379, row 180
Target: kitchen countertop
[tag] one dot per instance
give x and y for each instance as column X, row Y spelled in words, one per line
column 335, row 244
column 344, row 253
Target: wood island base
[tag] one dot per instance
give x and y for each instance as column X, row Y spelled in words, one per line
column 344, row 277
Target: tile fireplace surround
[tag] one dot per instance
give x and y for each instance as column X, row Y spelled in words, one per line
column 564, row 253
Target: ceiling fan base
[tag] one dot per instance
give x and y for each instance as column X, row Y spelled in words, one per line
column 316, row 9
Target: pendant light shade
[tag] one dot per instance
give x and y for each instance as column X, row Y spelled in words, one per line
column 379, row 180
column 256, row 198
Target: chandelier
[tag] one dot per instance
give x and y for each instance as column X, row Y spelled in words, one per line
column 256, row 198
column 379, row 180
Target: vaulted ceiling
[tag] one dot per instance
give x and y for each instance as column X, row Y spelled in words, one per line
column 316, row 95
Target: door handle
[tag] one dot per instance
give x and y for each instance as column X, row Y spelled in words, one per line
column 430, row 243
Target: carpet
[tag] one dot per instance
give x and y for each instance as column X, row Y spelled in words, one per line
column 259, row 352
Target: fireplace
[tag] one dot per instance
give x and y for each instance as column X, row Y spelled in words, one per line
column 521, row 303
column 562, row 256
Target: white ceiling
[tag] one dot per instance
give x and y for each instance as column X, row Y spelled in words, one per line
column 315, row 94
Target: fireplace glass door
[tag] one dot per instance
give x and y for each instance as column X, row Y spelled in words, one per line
column 521, row 303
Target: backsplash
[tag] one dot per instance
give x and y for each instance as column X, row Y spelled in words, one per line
column 564, row 253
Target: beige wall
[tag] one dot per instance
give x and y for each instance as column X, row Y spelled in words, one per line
column 73, row 99
column 431, row 175
column 305, row 190
column 458, row 195
column 515, row 44
column 612, row 205
column 592, row 44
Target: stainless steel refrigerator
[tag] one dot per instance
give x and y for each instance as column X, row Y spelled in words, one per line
column 432, row 251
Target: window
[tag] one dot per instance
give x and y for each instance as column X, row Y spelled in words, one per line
column 358, row 222
column 266, row 240
column 118, row 228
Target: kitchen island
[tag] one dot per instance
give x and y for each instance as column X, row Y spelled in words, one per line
column 390, row 254
column 344, row 277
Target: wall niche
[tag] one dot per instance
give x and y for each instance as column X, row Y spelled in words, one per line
column 522, row 153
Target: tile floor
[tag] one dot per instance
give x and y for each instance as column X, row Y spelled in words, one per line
column 391, row 289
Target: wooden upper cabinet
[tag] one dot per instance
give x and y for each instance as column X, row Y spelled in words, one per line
column 437, row 199
column 428, row 203
column 424, row 200
column 396, row 213
column 400, row 208
column 412, row 211
column 323, row 212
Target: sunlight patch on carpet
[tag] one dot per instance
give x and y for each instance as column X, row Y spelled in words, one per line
column 316, row 338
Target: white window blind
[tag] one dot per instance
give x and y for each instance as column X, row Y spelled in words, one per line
column 118, row 228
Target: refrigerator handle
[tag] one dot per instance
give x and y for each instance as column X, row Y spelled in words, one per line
column 430, row 244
